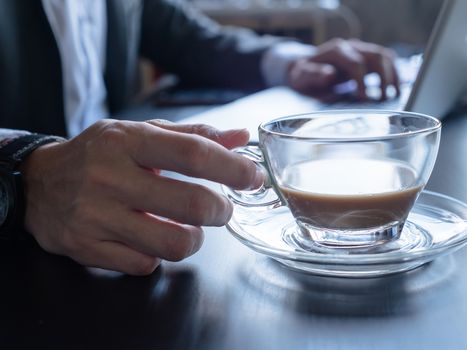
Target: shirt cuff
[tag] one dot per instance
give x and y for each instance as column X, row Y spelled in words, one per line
column 275, row 62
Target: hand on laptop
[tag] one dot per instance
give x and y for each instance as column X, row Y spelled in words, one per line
column 100, row 198
column 340, row 60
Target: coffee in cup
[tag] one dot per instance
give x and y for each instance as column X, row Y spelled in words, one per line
column 350, row 177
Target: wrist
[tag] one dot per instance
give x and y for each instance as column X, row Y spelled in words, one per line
column 14, row 154
column 36, row 173
column 36, row 160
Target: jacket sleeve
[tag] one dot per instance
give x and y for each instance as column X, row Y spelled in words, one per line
column 181, row 40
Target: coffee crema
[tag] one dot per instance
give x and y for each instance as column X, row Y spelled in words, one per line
column 349, row 194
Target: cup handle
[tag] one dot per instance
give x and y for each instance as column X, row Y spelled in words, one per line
column 265, row 196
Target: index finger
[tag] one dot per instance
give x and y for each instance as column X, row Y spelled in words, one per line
column 228, row 138
column 193, row 155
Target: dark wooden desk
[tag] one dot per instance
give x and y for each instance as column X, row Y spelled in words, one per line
column 228, row 297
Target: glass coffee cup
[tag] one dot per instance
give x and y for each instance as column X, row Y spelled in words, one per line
column 349, row 177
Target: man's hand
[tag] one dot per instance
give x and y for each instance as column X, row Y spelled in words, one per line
column 339, row 60
column 101, row 200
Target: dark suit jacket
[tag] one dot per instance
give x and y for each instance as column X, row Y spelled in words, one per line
column 174, row 36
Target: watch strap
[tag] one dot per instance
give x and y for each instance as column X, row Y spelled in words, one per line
column 14, row 151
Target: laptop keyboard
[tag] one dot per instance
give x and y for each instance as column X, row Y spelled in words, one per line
column 346, row 97
column 392, row 103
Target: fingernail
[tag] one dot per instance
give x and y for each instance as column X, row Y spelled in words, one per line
column 260, row 178
column 197, row 242
column 234, row 138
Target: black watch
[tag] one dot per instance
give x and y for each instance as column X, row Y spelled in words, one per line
column 12, row 201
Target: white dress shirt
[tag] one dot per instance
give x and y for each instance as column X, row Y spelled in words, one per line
column 80, row 29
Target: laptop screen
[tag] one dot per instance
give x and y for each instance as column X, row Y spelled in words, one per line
column 442, row 78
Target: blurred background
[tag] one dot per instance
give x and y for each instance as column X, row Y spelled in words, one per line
column 402, row 24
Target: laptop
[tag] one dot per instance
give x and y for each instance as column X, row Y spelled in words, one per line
column 432, row 84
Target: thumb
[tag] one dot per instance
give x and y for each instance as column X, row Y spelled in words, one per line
column 229, row 138
column 311, row 77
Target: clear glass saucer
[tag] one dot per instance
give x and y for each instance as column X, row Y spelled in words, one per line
column 436, row 225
